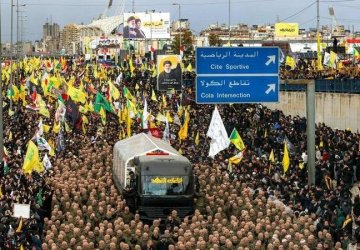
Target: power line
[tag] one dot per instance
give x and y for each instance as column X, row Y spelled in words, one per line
column 298, row 12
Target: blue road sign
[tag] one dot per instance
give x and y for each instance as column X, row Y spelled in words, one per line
column 237, row 75
column 237, row 89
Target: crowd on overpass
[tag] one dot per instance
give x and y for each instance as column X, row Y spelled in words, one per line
column 250, row 204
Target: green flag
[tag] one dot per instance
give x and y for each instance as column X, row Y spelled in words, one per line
column 100, row 101
column 6, row 167
column 39, row 197
column 127, row 93
column 235, row 138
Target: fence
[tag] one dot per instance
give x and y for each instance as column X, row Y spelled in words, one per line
column 328, row 85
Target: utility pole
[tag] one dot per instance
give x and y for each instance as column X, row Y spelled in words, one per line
column 17, row 41
column 1, row 102
column 179, row 26
column 318, row 16
column 11, row 48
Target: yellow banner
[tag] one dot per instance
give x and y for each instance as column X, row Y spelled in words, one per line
column 286, row 29
column 164, row 180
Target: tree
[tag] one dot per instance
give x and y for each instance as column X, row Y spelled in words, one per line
column 214, row 39
column 186, row 41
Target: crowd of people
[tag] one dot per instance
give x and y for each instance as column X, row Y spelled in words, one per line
column 249, row 205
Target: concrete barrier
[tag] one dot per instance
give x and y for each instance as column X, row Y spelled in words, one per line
column 337, row 110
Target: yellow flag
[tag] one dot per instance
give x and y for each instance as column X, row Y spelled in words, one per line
column 15, row 96
column 189, row 68
column 271, row 156
column 286, row 159
column 236, row 159
column 102, row 115
column 114, row 92
column 19, row 228
column 319, row 56
column 32, row 161
column 137, row 86
column 22, row 94
column 67, row 128
column 289, row 61
column 21, row 247
column 183, row 132
column 168, row 116
column 1, row 193
column 128, row 123
column 180, row 110
column 164, row 103
column 84, row 121
column 153, row 96
column 77, row 95
column 44, row 111
column 83, row 128
column 301, row 165
column 33, row 80
column 333, row 59
column 124, row 113
column 132, row 68
column 154, row 74
column 56, row 128
column 197, row 138
column 46, row 128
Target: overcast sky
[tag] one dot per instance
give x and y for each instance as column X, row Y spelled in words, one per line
column 200, row 13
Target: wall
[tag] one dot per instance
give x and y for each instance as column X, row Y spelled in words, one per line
column 337, row 110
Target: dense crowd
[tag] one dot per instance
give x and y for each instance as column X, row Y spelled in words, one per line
column 249, row 205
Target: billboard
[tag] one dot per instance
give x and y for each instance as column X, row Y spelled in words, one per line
column 286, row 29
column 169, row 72
column 142, row 25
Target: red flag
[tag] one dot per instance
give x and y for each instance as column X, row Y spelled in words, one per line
column 34, row 94
column 156, row 132
column 64, row 96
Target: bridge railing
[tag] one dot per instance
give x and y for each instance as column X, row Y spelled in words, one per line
column 328, row 85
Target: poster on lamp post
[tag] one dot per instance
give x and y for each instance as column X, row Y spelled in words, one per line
column 146, row 25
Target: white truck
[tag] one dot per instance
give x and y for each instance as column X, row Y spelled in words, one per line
column 160, row 179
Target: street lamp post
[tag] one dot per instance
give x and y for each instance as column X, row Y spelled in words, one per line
column 179, row 24
column 17, row 36
column 11, row 47
column 22, row 35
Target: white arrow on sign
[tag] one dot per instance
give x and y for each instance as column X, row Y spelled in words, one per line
column 270, row 60
column 271, row 88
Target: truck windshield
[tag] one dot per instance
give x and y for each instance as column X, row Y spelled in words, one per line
column 167, row 185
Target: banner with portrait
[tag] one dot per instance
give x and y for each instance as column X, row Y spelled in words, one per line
column 169, row 72
column 143, row 25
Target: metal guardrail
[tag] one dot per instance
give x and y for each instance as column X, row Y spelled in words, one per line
column 351, row 86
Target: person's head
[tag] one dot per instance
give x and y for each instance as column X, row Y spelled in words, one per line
column 131, row 22
column 167, row 66
column 138, row 23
